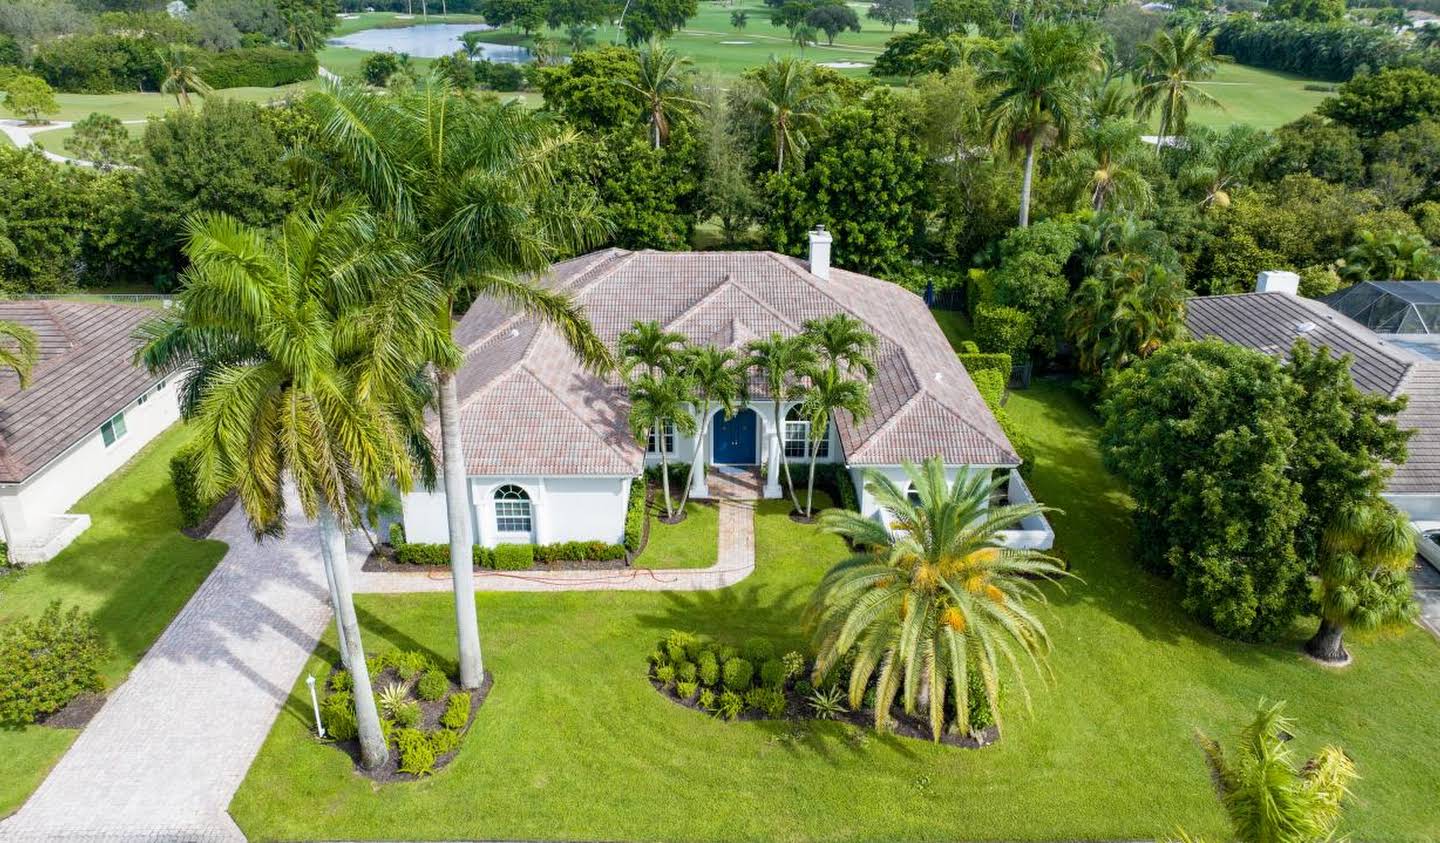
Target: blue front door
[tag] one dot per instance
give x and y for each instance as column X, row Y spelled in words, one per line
column 735, row 439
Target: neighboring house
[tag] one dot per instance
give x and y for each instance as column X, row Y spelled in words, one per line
column 1271, row 319
column 548, row 446
column 88, row 409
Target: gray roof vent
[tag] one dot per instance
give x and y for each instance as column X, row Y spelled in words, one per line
column 1304, row 327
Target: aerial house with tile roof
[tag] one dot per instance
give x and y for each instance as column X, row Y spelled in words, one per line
column 88, row 409
column 548, row 446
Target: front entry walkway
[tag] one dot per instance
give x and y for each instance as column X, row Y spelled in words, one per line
column 165, row 755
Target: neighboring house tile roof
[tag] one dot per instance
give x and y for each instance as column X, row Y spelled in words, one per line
column 85, row 375
column 528, row 407
column 1271, row 322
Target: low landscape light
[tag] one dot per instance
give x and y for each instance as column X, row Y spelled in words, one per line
column 315, row 703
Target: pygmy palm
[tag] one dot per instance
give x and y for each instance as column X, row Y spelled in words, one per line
column 181, row 76
column 829, row 393
column 716, row 383
column 651, row 349
column 931, row 598
column 843, row 343
column 781, row 362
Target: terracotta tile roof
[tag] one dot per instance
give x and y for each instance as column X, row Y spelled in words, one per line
column 86, row 374
column 529, row 408
column 1270, row 322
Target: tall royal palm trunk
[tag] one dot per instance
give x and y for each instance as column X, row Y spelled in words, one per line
column 462, row 572
column 785, row 463
column 335, row 604
column 373, row 751
column 695, row 455
column 810, row 485
column 1025, row 182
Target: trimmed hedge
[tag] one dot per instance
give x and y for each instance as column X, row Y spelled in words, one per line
column 255, row 67
column 185, row 480
column 977, row 362
column 1003, row 330
column 48, row 661
column 635, row 516
column 505, row 557
column 513, row 557
column 991, row 386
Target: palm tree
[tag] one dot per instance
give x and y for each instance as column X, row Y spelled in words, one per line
column 663, row 86
column 1037, row 77
column 1104, row 166
column 829, row 393
column 1125, row 312
column 804, row 35
column 1395, row 255
column 472, row 184
column 651, row 348
column 931, row 598
column 1268, row 797
column 304, row 341
column 1364, row 576
column 1216, row 163
column 1171, row 67
column 717, row 383
column 19, row 350
column 784, row 94
column 841, row 340
column 181, row 77
column 780, row 362
column 655, row 403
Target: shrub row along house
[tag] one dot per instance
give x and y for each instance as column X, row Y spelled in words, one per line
column 88, row 409
column 548, row 445
column 1402, row 361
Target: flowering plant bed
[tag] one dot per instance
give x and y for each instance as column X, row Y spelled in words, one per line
column 753, row 683
column 424, row 714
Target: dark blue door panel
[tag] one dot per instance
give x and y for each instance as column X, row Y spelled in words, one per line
column 735, row 439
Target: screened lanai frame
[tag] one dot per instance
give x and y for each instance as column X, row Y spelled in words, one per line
column 1391, row 307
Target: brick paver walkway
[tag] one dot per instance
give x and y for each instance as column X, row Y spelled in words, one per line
column 165, row 755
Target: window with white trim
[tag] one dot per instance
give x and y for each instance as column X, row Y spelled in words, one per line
column 512, row 510
column 669, row 440
column 113, row 430
column 797, row 436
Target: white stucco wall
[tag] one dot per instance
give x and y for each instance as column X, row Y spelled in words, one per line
column 562, row 509
column 67, row 478
column 685, row 445
column 1418, row 507
column 1034, row 532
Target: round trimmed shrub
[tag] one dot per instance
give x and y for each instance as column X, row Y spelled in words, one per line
column 738, row 673
column 432, row 685
column 759, row 650
column 709, row 670
column 772, row 673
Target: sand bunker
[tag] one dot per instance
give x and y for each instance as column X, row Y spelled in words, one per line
column 844, row 65
column 736, row 43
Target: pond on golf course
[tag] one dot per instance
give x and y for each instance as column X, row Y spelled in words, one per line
column 429, row 40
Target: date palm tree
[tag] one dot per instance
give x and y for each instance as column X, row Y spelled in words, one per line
column 663, row 87
column 932, row 598
column 1364, row 576
column 651, row 349
column 473, row 185
column 830, row 392
column 1171, row 66
column 181, row 76
column 717, row 384
column 1038, row 79
column 1268, row 797
column 314, row 386
column 785, row 95
column 657, row 402
column 781, row 362
column 19, row 351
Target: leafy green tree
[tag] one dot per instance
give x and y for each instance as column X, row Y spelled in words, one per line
column 1315, row 146
column 1386, row 257
column 948, row 17
column 1202, row 432
column 727, row 190
column 561, row 14
column 30, row 97
column 932, row 600
column 1031, row 277
column 649, row 197
column 528, row 15
column 739, row 18
column 649, row 19
column 658, row 402
column 1384, row 101
column 891, row 12
column 786, row 95
column 182, row 76
column 865, row 150
column 1126, row 311
column 780, row 362
column 591, row 89
column 1403, row 166
column 717, row 383
column 377, row 68
column 1037, row 79
column 833, row 19
column 1311, row 11
column 1169, row 71
column 1268, row 797
column 1364, row 577
column 104, row 141
column 1127, row 26
column 664, row 90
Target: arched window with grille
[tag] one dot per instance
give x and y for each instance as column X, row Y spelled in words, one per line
column 797, row 436
column 513, row 513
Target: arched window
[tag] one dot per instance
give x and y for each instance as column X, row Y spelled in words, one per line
column 512, row 510
column 797, row 436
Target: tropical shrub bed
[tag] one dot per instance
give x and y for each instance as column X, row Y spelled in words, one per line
column 47, row 662
column 424, row 714
column 755, row 681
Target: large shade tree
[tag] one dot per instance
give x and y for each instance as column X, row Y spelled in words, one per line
column 932, row 600
column 472, row 184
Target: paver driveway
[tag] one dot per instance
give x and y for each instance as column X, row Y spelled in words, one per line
column 165, row 755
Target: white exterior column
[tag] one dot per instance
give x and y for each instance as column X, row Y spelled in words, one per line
column 698, row 487
column 777, row 452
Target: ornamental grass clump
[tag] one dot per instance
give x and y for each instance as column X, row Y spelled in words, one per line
column 928, row 602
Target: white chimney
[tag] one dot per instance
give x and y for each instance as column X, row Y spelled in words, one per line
column 820, row 241
column 1277, row 281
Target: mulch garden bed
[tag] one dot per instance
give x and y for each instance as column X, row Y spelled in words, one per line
column 218, row 511
column 799, row 710
column 429, row 721
column 76, row 713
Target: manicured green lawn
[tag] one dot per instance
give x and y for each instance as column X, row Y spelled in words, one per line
column 132, row 570
column 575, row 745
column 689, row 544
column 1266, row 99
column 138, row 106
column 956, row 327
column 54, row 140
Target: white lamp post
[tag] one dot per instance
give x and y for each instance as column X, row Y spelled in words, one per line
column 315, row 702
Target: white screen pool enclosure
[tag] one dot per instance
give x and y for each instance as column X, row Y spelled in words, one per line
column 1391, row 307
